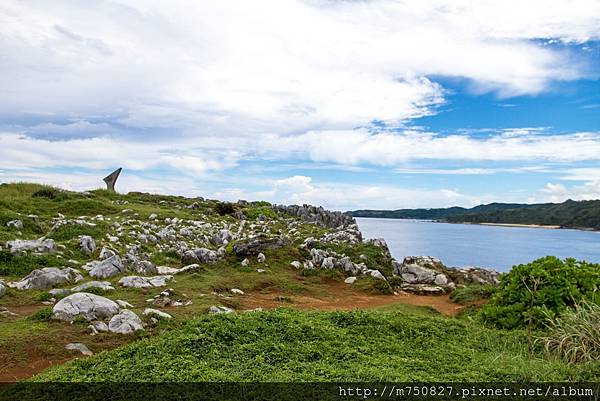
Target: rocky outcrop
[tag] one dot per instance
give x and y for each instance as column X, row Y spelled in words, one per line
column 79, row 347
column 423, row 274
column 256, row 245
column 87, row 306
column 37, row 245
column 144, row 282
column 106, row 268
column 219, row 309
column 380, row 242
column 318, row 215
column 202, row 255
column 47, row 277
column 126, row 322
column 473, row 275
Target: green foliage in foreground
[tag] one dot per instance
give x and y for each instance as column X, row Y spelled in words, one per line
column 472, row 293
column 575, row 335
column 543, row 288
column 286, row 345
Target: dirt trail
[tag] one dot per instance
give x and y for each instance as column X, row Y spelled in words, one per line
column 340, row 296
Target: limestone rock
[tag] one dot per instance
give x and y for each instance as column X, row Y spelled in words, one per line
column 126, row 322
column 37, row 245
column 18, row 224
column 473, row 275
column 261, row 258
column 101, row 285
column 144, row 282
column 255, row 246
column 317, row 215
column 350, row 280
column 79, row 347
column 237, row 291
column 123, row 304
column 2, row 290
column 295, row 264
column 87, row 244
column 106, row 268
column 88, row 306
column 156, row 313
column 47, row 277
column 219, row 309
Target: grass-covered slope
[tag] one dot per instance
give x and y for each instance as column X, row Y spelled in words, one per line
column 286, row 345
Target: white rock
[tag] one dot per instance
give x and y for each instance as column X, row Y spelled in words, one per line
column 260, row 270
column 296, row 264
column 126, row 322
column 144, row 282
column 18, row 224
column 219, row 309
column 38, row 245
column 88, row 306
column 237, row 291
column 123, row 304
column 79, row 347
column 47, row 277
column 245, row 262
column 157, row 313
column 350, row 280
column 261, row 258
column 108, row 267
column 102, row 285
column 87, row 244
column 2, row 290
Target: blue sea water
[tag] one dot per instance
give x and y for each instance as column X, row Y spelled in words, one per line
column 492, row 247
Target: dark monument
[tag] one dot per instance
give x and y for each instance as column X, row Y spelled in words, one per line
column 111, row 179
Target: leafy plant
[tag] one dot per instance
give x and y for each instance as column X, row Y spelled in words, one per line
column 472, row 293
column 224, row 208
column 531, row 293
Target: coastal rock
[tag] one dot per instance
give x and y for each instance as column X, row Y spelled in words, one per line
column 88, row 306
column 126, row 322
column 144, row 282
column 87, row 244
column 380, row 242
column 37, row 245
column 423, row 289
column 47, row 277
column 426, row 273
column 318, row 215
column 473, row 275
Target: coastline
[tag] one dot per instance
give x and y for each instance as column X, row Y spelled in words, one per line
column 517, row 225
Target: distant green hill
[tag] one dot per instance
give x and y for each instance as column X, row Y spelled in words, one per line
column 569, row 214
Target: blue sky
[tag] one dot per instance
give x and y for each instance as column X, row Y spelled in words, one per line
column 371, row 104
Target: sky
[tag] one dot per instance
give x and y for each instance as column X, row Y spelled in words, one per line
column 347, row 104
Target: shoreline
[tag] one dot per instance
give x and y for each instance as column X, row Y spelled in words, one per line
column 517, row 225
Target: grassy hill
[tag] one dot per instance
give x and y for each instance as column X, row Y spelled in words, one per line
column 569, row 214
column 395, row 342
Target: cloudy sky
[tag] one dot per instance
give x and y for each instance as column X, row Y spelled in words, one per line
column 347, row 104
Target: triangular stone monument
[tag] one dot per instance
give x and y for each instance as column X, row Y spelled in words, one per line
column 111, row 179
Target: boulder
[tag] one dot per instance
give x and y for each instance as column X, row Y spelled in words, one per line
column 126, row 322
column 245, row 262
column 350, row 280
column 106, row 268
column 423, row 289
column 47, row 277
column 375, row 274
column 200, row 255
column 37, row 245
column 261, row 258
column 380, row 242
column 144, row 282
column 296, row 265
column 317, row 215
column 123, row 304
column 87, row 244
column 60, row 292
column 237, row 291
column 2, row 290
column 101, row 285
column 88, row 306
column 106, row 253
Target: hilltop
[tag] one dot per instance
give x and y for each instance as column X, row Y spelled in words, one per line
column 569, row 214
column 176, row 288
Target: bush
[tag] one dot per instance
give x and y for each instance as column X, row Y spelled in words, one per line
column 574, row 336
column 41, row 315
column 20, row 265
column 224, row 208
column 531, row 293
column 252, row 213
column 472, row 293
column 49, row 193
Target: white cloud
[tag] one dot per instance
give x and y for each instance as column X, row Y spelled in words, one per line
column 560, row 193
column 281, row 66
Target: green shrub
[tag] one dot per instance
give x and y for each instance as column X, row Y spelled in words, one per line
column 395, row 281
column 41, row 315
column 472, row 293
column 252, row 213
column 574, row 336
column 20, row 265
column 50, row 193
column 69, row 231
column 531, row 293
column 224, row 208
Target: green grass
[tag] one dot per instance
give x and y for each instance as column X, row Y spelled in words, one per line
column 472, row 293
column 20, row 265
column 287, row 345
